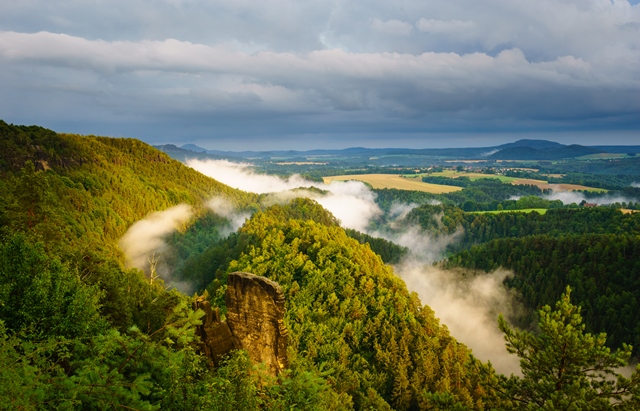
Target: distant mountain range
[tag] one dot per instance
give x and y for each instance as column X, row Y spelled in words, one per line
column 518, row 150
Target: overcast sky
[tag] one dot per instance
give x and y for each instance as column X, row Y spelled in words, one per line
column 279, row 74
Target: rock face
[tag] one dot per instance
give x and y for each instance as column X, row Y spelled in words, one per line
column 255, row 322
column 215, row 336
column 255, row 315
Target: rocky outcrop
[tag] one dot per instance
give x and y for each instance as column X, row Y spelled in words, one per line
column 255, row 314
column 215, row 336
column 255, row 322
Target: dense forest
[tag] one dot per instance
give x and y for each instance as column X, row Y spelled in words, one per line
column 81, row 329
column 593, row 250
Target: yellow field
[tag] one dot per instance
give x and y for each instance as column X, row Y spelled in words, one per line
column 513, row 180
column 543, row 185
column 395, row 181
column 472, row 176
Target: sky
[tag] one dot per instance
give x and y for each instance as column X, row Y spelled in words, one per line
column 285, row 74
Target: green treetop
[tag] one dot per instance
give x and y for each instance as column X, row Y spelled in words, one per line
column 565, row 369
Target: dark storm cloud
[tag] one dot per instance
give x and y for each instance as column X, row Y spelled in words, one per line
column 190, row 70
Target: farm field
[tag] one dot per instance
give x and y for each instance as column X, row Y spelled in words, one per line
column 472, row 176
column 558, row 187
column 525, row 210
column 628, row 211
column 542, row 184
column 396, row 181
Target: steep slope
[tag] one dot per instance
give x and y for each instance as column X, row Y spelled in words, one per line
column 84, row 190
column 346, row 311
column 78, row 195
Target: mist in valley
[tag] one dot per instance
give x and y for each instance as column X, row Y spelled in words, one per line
column 466, row 303
column 572, row 197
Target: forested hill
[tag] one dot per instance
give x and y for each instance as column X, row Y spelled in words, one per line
column 79, row 331
column 346, row 311
column 87, row 190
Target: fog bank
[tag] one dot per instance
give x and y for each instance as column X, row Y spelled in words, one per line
column 144, row 246
column 569, row 197
column 469, row 305
column 351, row 202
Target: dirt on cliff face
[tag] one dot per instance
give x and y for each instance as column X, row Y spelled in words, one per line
column 255, row 322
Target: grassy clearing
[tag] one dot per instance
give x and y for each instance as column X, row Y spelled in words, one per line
column 472, row 176
column 576, row 187
column 396, row 181
column 525, row 210
column 543, row 185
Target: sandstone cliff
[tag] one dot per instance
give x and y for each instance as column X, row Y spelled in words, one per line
column 255, row 322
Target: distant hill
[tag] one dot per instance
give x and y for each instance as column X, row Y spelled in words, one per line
column 183, row 154
column 192, row 147
column 550, row 153
column 525, row 149
column 537, row 144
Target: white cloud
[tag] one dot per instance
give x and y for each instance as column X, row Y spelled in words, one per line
column 159, row 68
column 218, row 79
column 145, row 237
column 444, row 27
column 393, row 27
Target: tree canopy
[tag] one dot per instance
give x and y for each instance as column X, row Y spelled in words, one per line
column 564, row 368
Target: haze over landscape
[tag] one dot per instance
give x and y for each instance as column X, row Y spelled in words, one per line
column 325, row 74
column 320, row 205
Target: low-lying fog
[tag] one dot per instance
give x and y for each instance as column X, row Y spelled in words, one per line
column 468, row 305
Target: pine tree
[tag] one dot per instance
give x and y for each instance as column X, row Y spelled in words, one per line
column 565, row 369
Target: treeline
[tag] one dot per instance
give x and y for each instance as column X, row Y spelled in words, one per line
column 602, row 269
column 610, row 174
column 488, row 192
column 615, row 174
column 480, row 228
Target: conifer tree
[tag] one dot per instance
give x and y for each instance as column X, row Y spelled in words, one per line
column 565, row 369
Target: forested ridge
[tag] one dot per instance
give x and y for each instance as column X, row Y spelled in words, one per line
column 602, row 269
column 92, row 188
column 347, row 312
column 481, row 228
column 79, row 330
column 593, row 250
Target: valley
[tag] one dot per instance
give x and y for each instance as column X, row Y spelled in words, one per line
column 395, row 294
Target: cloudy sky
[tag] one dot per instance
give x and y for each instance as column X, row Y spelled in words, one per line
column 274, row 74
